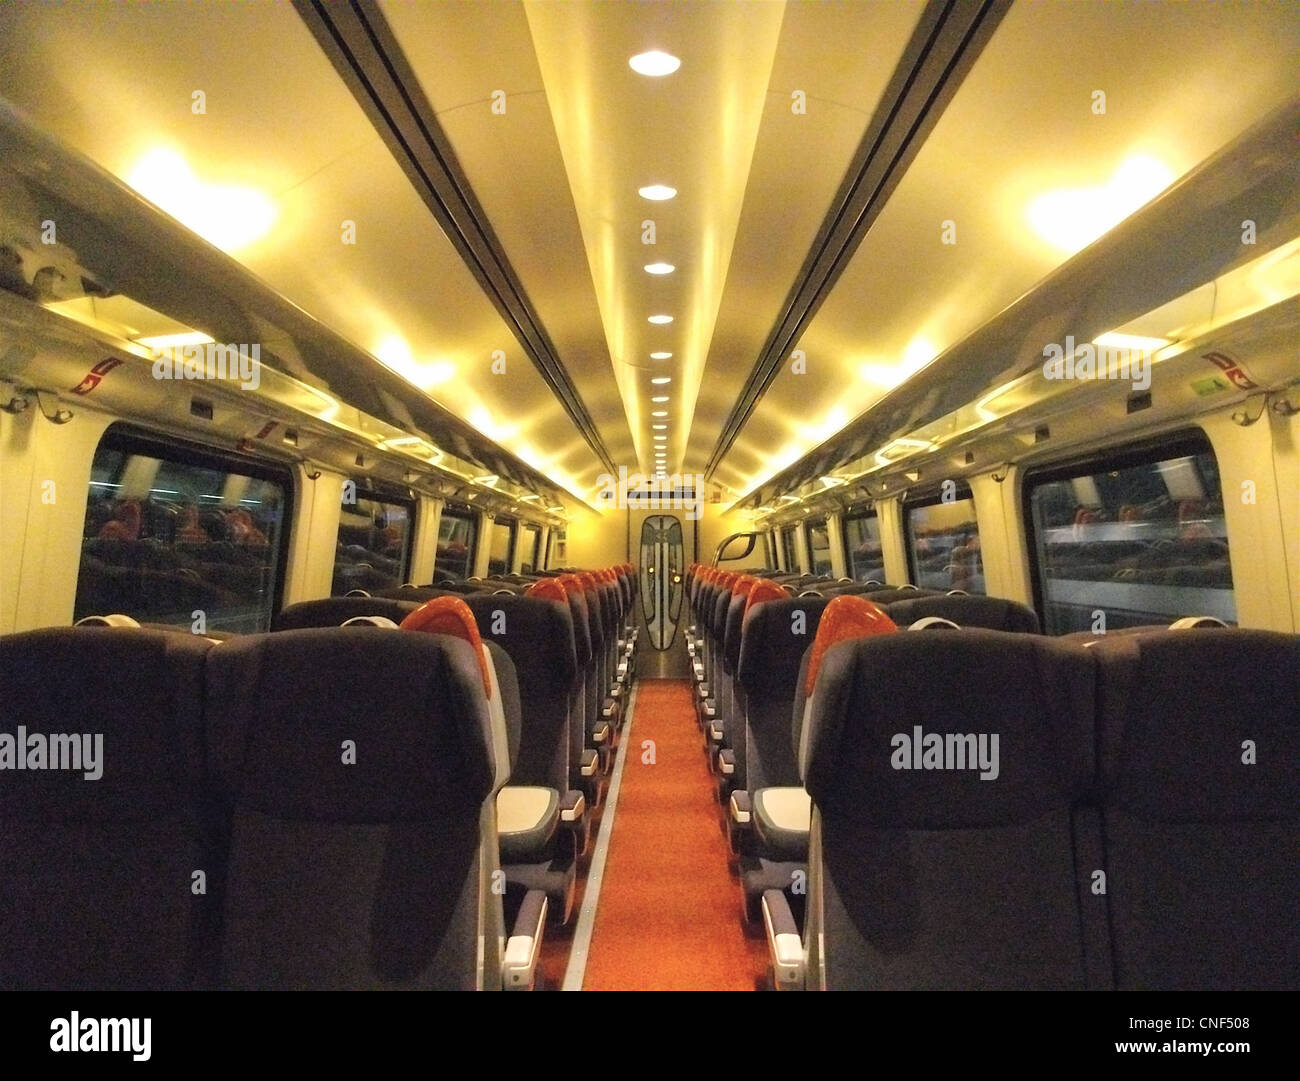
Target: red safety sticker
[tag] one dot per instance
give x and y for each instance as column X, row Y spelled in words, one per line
column 95, row 375
column 1232, row 370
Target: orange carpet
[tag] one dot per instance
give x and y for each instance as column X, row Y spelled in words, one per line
column 670, row 911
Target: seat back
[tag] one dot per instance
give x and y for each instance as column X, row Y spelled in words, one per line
column 111, row 874
column 537, row 634
column 335, row 611
column 991, row 613
column 1200, row 740
column 944, row 772
column 357, row 765
column 775, row 633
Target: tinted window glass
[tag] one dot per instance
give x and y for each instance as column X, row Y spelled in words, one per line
column 503, row 547
column 789, row 547
column 943, row 545
column 819, row 546
column 181, row 537
column 457, row 533
column 1144, row 542
column 532, row 536
column 862, row 543
column 373, row 544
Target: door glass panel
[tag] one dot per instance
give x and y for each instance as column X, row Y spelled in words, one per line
column 662, row 563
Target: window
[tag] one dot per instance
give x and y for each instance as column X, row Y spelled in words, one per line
column 532, row 539
column 374, row 542
column 503, row 547
column 863, row 551
column 457, row 537
column 1137, row 539
column 181, row 535
column 819, row 546
column 943, row 542
column 790, row 549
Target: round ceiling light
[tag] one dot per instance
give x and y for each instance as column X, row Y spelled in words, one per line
column 655, row 63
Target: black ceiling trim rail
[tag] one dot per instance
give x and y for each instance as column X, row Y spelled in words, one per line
column 364, row 51
column 943, row 47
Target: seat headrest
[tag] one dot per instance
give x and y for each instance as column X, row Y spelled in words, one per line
column 451, row 615
column 356, row 593
column 742, row 585
column 845, row 617
column 551, row 589
column 763, row 589
column 933, row 623
column 369, row 621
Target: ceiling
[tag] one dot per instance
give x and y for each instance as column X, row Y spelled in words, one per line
column 552, row 132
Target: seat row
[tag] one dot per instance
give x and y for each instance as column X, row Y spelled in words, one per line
column 993, row 808
column 310, row 790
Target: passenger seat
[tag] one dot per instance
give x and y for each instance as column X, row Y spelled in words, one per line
column 111, row 882
column 1200, row 743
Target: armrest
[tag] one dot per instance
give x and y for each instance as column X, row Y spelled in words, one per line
column 519, row 968
column 573, row 805
column 727, row 761
column 589, row 762
column 783, row 941
column 739, row 807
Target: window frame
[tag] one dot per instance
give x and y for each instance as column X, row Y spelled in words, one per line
column 526, row 526
column 380, row 492
column 1184, row 442
column 460, row 512
column 133, row 439
column 822, row 523
column 857, row 516
column 790, row 548
column 513, row 523
column 931, row 498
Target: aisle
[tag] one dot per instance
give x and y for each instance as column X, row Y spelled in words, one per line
column 668, row 916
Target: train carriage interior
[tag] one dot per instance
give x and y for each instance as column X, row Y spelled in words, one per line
column 474, row 477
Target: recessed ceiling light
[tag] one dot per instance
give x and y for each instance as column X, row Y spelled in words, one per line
column 660, row 398
column 660, row 356
column 660, row 413
column 659, row 268
column 657, row 192
column 660, row 427
column 660, row 380
column 655, row 63
column 661, row 319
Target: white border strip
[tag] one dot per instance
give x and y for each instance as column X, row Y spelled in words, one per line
column 577, row 969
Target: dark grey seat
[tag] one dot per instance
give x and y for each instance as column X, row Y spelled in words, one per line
column 1202, row 844
column 771, row 833
column 352, row 874
column 112, row 883
column 991, row 613
column 955, row 878
column 335, row 611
